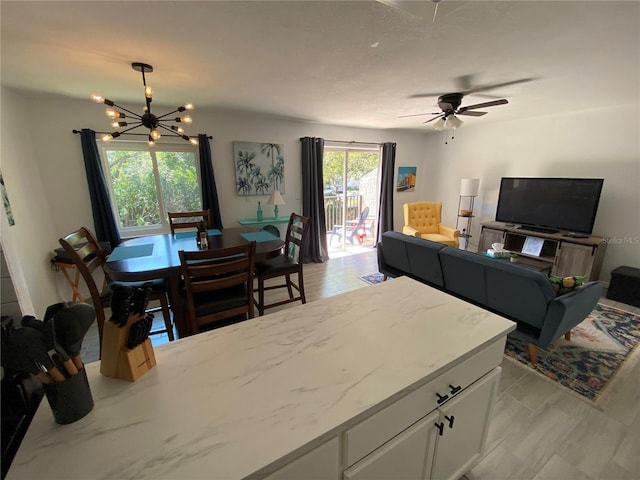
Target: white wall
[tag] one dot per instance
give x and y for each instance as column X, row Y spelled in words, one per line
column 44, row 162
column 595, row 144
column 27, row 244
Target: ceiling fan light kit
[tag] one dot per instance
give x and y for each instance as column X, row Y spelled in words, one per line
column 147, row 119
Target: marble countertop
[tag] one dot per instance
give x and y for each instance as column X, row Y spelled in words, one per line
column 226, row 403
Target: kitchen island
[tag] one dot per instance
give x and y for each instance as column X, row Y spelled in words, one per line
column 344, row 386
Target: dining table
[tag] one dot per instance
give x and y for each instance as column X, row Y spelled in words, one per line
column 155, row 257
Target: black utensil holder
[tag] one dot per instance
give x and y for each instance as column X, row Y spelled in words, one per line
column 70, row 400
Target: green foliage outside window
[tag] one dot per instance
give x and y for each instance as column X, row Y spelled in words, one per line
column 134, row 185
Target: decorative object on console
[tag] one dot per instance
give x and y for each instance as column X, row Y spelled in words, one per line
column 469, row 188
column 275, row 199
column 259, row 212
column 147, row 119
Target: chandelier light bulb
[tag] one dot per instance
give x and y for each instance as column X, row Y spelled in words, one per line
column 180, row 130
column 155, row 134
column 189, row 106
column 119, row 124
column 107, row 137
column 185, row 119
column 150, row 141
column 148, row 92
column 193, row 140
column 96, row 97
column 113, row 114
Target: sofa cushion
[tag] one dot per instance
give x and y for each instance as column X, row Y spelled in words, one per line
column 518, row 292
column 463, row 274
column 424, row 261
column 394, row 251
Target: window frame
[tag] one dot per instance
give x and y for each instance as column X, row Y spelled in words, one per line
column 131, row 145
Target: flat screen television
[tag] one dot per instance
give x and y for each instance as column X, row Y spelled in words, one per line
column 550, row 204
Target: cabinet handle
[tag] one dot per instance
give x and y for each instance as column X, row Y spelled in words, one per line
column 441, row 398
column 440, row 427
column 455, row 390
column 451, row 419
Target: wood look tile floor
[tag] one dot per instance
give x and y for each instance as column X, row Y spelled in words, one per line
column 540, row 430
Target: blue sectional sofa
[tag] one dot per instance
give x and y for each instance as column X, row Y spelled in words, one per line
column 508, row 289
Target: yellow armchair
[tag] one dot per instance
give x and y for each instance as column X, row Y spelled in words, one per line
column 422, row 219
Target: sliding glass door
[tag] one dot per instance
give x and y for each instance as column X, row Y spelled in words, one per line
column 351, row 190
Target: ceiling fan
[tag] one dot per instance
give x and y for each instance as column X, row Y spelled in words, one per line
column 449, row 103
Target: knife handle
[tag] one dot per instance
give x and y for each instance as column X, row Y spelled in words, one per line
column 77, row 361
column 56, row 374
column 44, row 378
column 70, row 367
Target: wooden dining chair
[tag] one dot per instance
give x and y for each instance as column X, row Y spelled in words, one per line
column 188, row 220
column 288, row 263
column 218, row 285
column 88, row 256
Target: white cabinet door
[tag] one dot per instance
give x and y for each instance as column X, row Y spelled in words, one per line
column 403, row 457
column 318, row 464
column 464, row 422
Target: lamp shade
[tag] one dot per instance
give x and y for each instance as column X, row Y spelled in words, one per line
column 469, row 187
column 439, row 125
column 275, row 198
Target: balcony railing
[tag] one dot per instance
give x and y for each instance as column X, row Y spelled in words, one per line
column 334, row 208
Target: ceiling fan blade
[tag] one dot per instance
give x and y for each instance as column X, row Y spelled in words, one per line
column 434, row 118
column 418, row 114
column 471, row 113
column 424, row 95
column 481, row 88
column 502, row 101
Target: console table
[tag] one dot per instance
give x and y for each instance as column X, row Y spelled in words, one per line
column 397, row 378
column 561, row 254
column 264, row 221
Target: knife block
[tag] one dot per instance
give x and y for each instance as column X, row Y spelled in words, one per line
column 118, row 361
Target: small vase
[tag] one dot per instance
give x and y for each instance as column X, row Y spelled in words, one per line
column 259, row 216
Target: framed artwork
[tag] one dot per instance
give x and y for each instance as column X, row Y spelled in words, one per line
column 406, row 179
column 5, row 201
column 259, row 168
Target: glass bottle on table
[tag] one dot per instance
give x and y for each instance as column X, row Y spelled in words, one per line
column 259, row 213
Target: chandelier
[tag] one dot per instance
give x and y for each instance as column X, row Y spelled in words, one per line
column 120, row 116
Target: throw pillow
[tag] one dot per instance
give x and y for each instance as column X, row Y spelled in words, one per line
column 564, row 285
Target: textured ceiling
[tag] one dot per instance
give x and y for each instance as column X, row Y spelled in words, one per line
column 338, row 62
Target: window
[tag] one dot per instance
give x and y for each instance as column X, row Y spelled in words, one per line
column 350, row 179
column 145, row 183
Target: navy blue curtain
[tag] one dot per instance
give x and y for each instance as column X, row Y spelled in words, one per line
column 209, row 190
column 385, row 212
column 104, row 222
column 313, row 199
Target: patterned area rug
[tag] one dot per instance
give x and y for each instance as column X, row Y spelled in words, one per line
column 372, row 278
column 588, row 362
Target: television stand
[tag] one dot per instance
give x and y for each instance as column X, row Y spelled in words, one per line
column 538, row 229
column 560, row 255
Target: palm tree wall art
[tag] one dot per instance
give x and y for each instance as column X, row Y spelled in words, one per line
column 259, row 168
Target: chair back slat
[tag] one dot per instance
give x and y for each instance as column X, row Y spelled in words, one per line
column 188, row 220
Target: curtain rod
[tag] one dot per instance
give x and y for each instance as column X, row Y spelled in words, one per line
column 139, row 134
column 353, row 141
